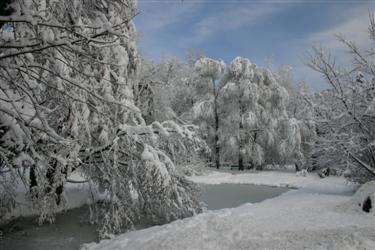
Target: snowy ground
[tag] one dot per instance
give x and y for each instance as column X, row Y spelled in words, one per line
column 317, row 216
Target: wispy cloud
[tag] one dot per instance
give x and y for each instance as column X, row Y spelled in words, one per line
column 353, row 28
column 156, row 22
column 234, row 18
column 158, row 15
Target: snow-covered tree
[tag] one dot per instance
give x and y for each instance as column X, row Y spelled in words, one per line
column 255, row 106
column 169, row 89
column 300, row 106
column 345, row 112
column 239, row 94
column 206, row 109
column 68, row 77
column 167, row 94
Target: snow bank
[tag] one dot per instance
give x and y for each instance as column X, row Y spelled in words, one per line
column 308, row 218
column 295, row 220
column 363, row 200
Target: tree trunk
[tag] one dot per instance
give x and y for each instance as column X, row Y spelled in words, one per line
column 297, row 167
column 240, row 135
column 216, row 141
column 51, row 173
column 32, row 177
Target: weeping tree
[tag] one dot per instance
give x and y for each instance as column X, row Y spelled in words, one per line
column 68, row 73
column 207, row 109
column 250, row 105
column 254, row 105
column 238, row 95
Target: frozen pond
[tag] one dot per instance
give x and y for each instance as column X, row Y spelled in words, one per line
column 221, row 196
column 72, row 228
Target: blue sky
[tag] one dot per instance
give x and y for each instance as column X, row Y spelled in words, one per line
column 277, row 31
